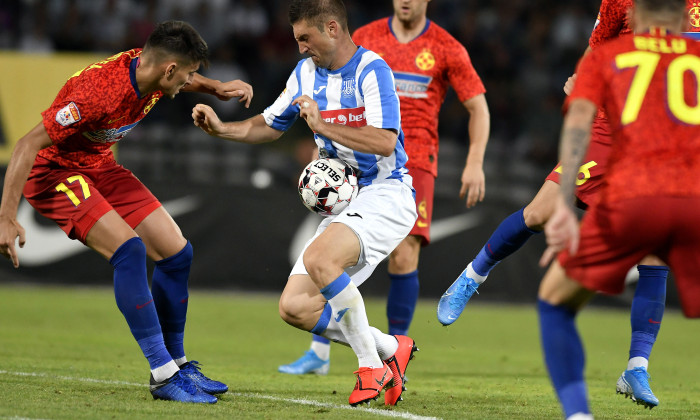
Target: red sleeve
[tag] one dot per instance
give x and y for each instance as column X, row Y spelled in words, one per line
column 590, row 83
column 461, row 73
column 72, row 112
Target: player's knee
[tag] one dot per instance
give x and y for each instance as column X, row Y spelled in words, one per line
column 402, row 261
column 317, row 262
column 289, row 311
column 536, row 216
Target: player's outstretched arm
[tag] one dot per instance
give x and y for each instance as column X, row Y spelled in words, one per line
column 473, row 179
column 222, row 90
column 253, row 130
column 16, row 176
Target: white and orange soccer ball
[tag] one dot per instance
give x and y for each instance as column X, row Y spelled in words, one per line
column 327, row 186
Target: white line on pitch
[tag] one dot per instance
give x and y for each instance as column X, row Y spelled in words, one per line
column 385, row 413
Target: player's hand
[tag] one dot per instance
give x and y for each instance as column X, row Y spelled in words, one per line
column 10, row 230
column 205, row 118
column 308, row 110
column 235, row 89
column 562, row 232
column 473, row 185
column 569, row 85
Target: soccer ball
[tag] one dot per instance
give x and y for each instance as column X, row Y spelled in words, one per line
column 326, row 186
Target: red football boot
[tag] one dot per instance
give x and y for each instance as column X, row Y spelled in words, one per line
column 370, row 383
column 398, row 363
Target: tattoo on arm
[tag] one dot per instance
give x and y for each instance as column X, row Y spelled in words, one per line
column 574, row 145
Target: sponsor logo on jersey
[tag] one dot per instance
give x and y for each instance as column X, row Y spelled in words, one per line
column 68, row 115
column 348, row 87
column 425, row 60
column 352, row 117
column 694, row 15
column 412, row 85
column 109, row 135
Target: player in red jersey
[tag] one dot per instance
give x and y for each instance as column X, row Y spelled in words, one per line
column 66, row 170
column 514, row 231
column 647, row 85
column 425, row 60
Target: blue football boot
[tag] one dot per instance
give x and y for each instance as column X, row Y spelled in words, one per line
column 308, row 363
column 179, row 388
column 455, row 298
column 191, row 369
column 634, row 383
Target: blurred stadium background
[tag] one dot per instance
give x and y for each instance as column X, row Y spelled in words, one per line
column 237, row 203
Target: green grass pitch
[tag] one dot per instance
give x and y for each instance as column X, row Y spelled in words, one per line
column 66, row 353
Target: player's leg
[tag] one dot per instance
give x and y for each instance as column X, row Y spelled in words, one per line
column 508, row 237
column 403, row 261
column 113, row 238
column 404, row 287
column 645, row 318
column 172, row 254
column 302, row 305
column 559, row 300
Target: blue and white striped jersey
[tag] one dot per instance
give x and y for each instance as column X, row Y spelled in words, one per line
column 360, row 93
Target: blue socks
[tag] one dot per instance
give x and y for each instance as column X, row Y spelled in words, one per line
column 564, row 356
column 169, row 287
column 647, row 309
column 135, row 301
column 508, row 237
column 401, row 302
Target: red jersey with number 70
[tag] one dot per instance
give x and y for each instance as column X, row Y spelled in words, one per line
column 96, row 108
column 648, row 86
column 423, row 70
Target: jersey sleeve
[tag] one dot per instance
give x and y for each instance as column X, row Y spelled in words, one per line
column 461, row 73
column 591, row 83
column 282, row 114
column 73, row 111
column 379, row 94
column 611, row 22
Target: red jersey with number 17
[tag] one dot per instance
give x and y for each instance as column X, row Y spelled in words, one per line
column 423, row 69
column 648, row 86
column 96, row 108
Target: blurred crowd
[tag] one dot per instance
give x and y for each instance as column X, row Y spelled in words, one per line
column 524, row 50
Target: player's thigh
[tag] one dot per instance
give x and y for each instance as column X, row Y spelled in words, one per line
column 558, row 289
column 541, row 208
column 108, row 234
column 335, row 249
column 161, row 235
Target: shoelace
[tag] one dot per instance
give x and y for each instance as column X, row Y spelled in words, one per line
column 185, row 385
column 642, row 375
column 192, row 365
column 461, row 295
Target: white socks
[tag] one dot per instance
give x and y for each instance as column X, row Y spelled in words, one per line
column 322, row 350
column 162, row 373
column 637, row 362
column 473, row 275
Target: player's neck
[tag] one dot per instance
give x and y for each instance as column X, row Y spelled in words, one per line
column 344, row 54
column 407, row 31
column 146, row 78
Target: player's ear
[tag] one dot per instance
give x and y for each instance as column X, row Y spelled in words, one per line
column 170, row 69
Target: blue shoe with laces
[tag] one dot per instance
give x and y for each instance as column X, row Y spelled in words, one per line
column 179, row 388
column 308, row 363
column 455, row 298
column 634, row 383
column 191, row 369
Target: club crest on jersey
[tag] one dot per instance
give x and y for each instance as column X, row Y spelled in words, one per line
column 694, row 15
column 68, row 115
column 348, row 87
column 425, row 60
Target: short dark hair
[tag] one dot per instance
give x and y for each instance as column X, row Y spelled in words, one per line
column 181, row 39
column 318, row 12
column 662, row 5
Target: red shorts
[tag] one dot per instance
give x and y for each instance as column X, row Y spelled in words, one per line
column 424, row 184
column 590, row 175
column 76, row 198
column 616, row 236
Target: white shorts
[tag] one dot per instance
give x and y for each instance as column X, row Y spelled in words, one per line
column 381, row 216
